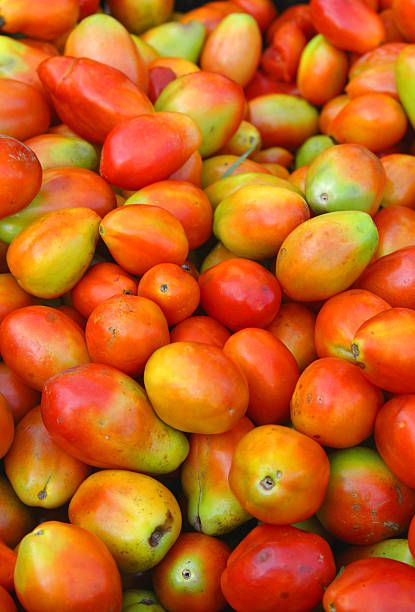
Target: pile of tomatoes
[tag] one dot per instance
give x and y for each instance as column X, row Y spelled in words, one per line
column 207, row 306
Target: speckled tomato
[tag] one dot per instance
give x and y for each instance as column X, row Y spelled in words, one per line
column 278, row 568
column 364, row 503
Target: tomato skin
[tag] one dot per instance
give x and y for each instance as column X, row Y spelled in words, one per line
column 212, row 508
column 404, row 15
column 348, row 24
column 6, row 426
column 400, row 178
column 101, row 282
column 24, row 111
column 20, row 397
column 392, row 278
column 6, row 602
column 46, row 21
column 186, row 201
column 124, row 330
column 278, row 567
column 7, row 562
column 21, row 175
column 364, row 503
column 281, row 59
column 240, row 293
column 395, row 437
column 271, row 372
column 279, row 475
column 294, row 326
column 173, row 289
column 140, row 237
column 80, row 92
column 384, row 348
column 334, row 404
column 200, row 329
column 396, row 228
column 373, row 585
column 64, row 567
column 196, row 388
column 96, row 391
column 204, row 557
column 339, row 319
column 12, row 296
column 300, row 15
column 38, row 342
column 52, row 476
column 167, row 141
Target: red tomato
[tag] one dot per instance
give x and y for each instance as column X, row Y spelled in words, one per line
column 21, row 176
column 271, row 372
column 348, row 24
column 240, row 293
column 278, row 568
column 24, row 111
column 395, row 437
column 20, row 398
column 200, row 329
column 372, row 585
column 102, row 281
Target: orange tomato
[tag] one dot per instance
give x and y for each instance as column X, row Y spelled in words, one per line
column 12, row 296
column 375, row 121
column 279, row 475
column 334, row 404
column 404, row 16
column 7, row 562
column 24, row 111
column 396, row 228
column 400, row 180
column 294, row 326
column 124, row 331
column 141, row 236
column 6, row 602
column 173, row 289
column 16, row 519
column 196, row 388
column 102, row 281
column 200, row 329
column 64, row 567
column 339, row 319
column 19, row 397
column 330, row 110
column 271, row 372
column 37, row 342
column 6, row 426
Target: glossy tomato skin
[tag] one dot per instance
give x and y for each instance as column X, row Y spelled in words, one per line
column 64, row 567
column 166, row 142
column 279, row 475
column 24, row 111
column 364, row 503
column 334, row 404
column 271, row 372
column 101, row 282
column 278, row 567
column 240, row 293
column 47, row 21
column 339, row 319
column 195, row 387
column 38, row 342
column 80, row 90
column 294, row 326
column 188, row 578
column 200, row 329
column 395, row 437
column 350, row 25
column 21, row 175
column 373, row 585
column 384, row 348
column 392, row 278
column 20, row 397
column 12, row 296
column 129, row 436
column 396, row 228
column 141, row 236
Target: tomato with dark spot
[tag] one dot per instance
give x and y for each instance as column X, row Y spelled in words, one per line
column 275, row 563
